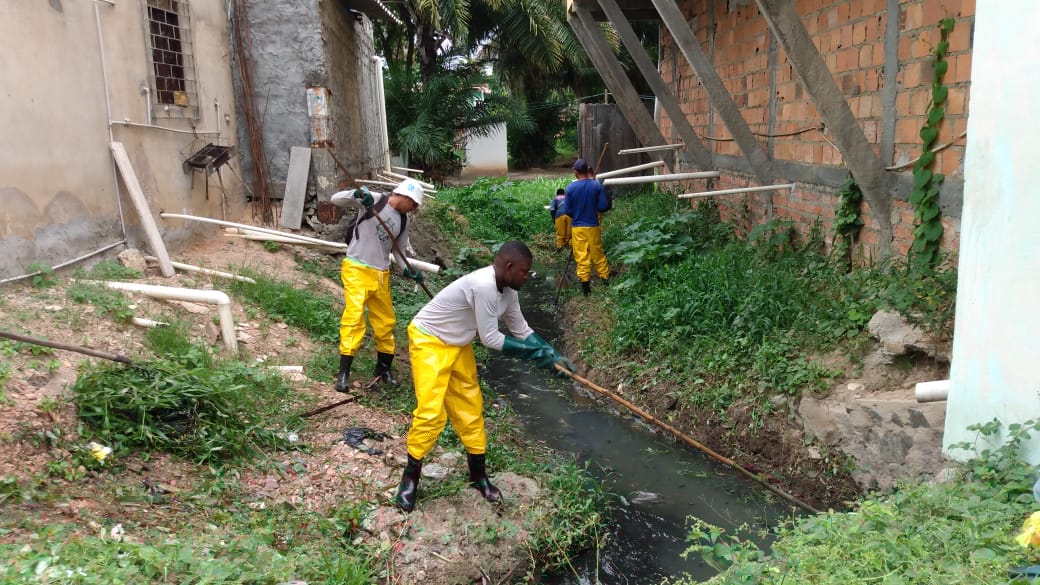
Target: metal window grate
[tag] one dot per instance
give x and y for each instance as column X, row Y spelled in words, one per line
column 172, row 57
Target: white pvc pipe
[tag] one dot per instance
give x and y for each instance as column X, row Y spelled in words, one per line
column 427, row 186
column 379, row 183
column 148, row 323
column 381, row 97
column 419, row 265
column 652, row 148
column 252, row 229
column 936, row 391
column 190, row 268
column 627, row 170
column 288, row 368
column 662, row 178
column 264, row 238
column 427, row 191
column 735, row 191
column 212, row 297
column 407, row 170
column 64, row 264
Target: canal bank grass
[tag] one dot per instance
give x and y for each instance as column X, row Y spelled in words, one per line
column 225, row 543
column 959, row 531
column 742, row 321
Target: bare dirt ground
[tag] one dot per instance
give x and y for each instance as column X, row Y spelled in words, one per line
column 449, row 539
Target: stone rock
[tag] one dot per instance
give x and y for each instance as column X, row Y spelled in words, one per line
column 435, row 471
column 448, row 459
column 212, row 332
column 899, row 337
column 890, row 439
column 383, row 519
column 194, row 308
column 133, row 259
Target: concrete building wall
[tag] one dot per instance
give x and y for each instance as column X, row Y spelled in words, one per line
column 288, row 57
column 994, row 369
column 58, row 190
column 863, row 52
column 487, row 155
column 353, row 76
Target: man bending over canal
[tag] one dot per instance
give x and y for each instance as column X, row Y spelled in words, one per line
column 444, row 370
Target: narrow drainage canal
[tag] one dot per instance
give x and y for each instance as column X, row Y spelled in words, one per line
column 660, row 483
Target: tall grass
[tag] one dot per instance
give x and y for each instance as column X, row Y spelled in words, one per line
column 493, row 211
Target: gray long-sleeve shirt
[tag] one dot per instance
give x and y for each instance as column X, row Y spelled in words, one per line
column 472, row 306
column 371, row 245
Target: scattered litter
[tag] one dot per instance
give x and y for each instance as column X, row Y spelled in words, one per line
column 355, row 437
column 99, row 451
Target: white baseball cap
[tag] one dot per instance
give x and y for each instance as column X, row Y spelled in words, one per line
column 411, row 189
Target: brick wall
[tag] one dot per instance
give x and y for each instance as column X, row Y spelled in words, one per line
column 851, row 37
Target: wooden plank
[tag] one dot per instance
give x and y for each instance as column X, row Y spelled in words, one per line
column 719, row 97
column 694, row 147
column 296, row 187
column 845, row 131
column 151, row 231
column 614, row 77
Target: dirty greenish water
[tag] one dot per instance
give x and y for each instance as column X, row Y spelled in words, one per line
column 659, row 483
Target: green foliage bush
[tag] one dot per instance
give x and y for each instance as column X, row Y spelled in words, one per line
column 959, row 531
column 186, row 405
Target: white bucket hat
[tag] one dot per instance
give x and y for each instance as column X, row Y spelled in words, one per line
column 411, row 189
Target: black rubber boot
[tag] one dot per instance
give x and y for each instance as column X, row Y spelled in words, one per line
column 382, row 371
column 586, row 288
column 478, row 478
column 408, row 490
column 343, row 376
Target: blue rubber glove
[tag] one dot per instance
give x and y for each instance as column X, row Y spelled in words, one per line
column 365, row 197
column 414, row 274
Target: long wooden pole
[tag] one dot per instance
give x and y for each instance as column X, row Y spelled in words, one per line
column 686, row 439
column 68, row 347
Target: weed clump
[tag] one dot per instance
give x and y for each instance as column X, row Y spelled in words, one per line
column 186, row 406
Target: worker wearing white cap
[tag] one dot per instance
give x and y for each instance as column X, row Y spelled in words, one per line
column 365, row 273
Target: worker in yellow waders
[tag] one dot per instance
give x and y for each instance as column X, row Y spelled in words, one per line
column 585, row 199
column 444, row 371
column 365, row 273
column 561, row 220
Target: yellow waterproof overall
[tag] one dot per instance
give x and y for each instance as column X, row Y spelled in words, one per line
column 587, row 243
column 365, row 287
column 446, row 387
column 563, row 230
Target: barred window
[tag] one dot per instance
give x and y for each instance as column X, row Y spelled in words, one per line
column 173, row 71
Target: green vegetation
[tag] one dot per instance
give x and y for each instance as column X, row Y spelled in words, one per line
column 238, row 545
column 186, row 404
column 45, row 277
column 107, row 301
column 736, row 321
column 109, row 270
column 302, row 308
column 493, row 211
column 955, row 532
column 928, row 227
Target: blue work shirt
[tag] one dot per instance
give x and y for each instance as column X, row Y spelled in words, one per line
column 585, row 199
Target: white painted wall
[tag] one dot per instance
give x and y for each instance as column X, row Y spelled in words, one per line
column 58, row 192
column 487, row 155
column 996, row 346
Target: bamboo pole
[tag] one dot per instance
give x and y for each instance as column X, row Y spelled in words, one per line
column 686, row 439
column 67, row 347
column 736, row 191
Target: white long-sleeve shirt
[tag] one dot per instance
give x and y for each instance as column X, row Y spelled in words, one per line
column 472, row 306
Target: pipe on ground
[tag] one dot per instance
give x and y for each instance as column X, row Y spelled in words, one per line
column 212, row 297
column 200, row 270
column 935, row 391
column 252, row 229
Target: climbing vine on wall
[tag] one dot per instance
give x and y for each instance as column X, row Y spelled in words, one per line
column 847, row 221
column 928, row 228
